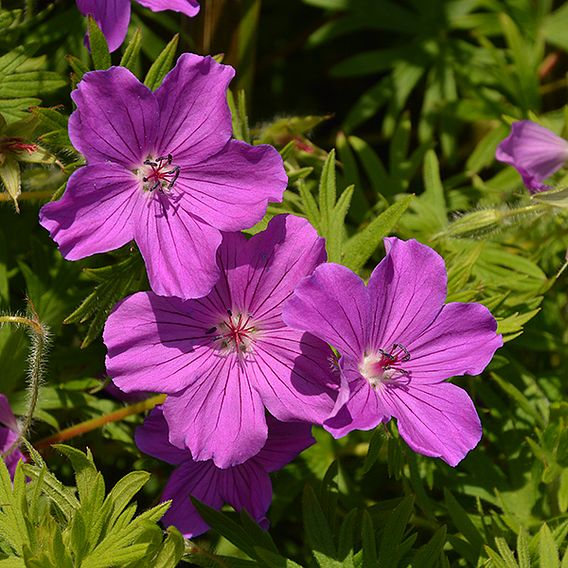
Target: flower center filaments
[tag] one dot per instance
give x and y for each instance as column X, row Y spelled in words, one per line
column 235, row 334
column 159, row 174
column 385, row 367
column 17, row 145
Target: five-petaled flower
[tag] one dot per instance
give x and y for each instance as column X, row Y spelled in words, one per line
column 245, row 486
column 9, row 434
column 399, row 342
column 113, row 16
column 224, row 358
column 163, row 170
column 534, row 151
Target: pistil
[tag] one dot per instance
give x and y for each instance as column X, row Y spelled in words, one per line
column 386, row 367
column 159, row 174
column 235, row 334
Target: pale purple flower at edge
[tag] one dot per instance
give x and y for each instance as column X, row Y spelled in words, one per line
column 399, row 343
column 534, row 151
column 224, row 358
column 162, row 170
column 113, row 16
column 245, row 486
column 9, row 433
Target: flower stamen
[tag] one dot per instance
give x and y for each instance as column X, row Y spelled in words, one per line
column 159, row 174
column 385, row 367
column 234, row 334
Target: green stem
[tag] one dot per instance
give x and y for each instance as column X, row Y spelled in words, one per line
column 39, row 336
column 94, row 423
column 28, row 195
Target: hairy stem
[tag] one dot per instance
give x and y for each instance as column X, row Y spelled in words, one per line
column 94, row 423
column 39, row 337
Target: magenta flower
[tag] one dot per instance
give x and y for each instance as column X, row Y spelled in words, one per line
column 534, row 151
column 399, row 343
column 163, row 170
column 113, row 16
column 9, row 433
column 245, row 486
column 224, row 358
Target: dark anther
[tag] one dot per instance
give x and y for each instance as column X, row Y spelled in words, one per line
column 144, row 179
column 211, row 330
column 175, row 173
column 230, row 313
column 387, row 355
column 404, row 350
column 170, row 158
column 150, row 163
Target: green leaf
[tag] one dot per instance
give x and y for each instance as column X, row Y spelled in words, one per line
column 390, row 550
column 318, row 532
column 463, row 522
column 369, row 544
column 125, row 490
column 427, row 556
column 132, row 51
column 336, row 234
column 555, row 197
column 345, row 544
column 115, row 282
column 11, row 178
column 326, row 194
column 523, row 554
column 162, row 65
column 548, row 551
column 172, row 550
column 226, row 527
column 434, row 190
column 359, row 248
column 375, row 445
column 98, row 45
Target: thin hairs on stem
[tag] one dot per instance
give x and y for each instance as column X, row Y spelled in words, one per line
column 39, row 344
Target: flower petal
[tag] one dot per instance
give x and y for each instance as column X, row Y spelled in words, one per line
column 7, row 440
column 178, row 248
column 220, row 416
column 363, row 409
column 435, row 420
column 293, row 373
column 112, row 16
column 116, row 118
column 195, row 121
column 7, row 417
column 407, row 290
column 152, row 439
column 200, row 479
column 188, row 7
column 534, row 151
column 460, row 341
column 231, row 189
column 285, row 441
column 97, row 212
column 332, row 304
column 247, row 486
column 156, row 344
column 279, row 257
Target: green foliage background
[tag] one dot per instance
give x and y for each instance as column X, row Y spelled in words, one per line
column 387, row 114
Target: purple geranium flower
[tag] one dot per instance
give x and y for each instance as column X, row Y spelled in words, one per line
column 9, row 433
column 534, row 151
column 113, row 16
column 224, row 358
column 245, row 486
column 163, row 170
column 399, row 343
